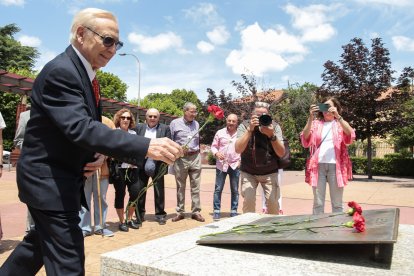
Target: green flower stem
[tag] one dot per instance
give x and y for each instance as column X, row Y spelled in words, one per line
column 272, row 230
column 274, row 226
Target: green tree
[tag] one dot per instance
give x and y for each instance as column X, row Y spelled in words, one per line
column 8, row 103
column 17, row 59
column 362, row 83
column 111, row 86
column 163, row 103
column 404, row 136
column 12, row 53
column 172, row 103
column 293, row 111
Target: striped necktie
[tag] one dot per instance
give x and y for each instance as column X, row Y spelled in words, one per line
column 95, row 86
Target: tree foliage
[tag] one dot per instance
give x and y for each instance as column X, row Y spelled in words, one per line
column 362, row 82
column 17, row 59
column 162, row 102
column 111, row 86
column 12, row 53
column 404, row 136
column 292, row 113
column 171, row 103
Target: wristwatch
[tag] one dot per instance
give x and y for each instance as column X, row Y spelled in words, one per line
column 273, row 138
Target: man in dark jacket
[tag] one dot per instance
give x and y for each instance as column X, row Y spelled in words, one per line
column 66, row 142
column 259, row 141
column 152, row 128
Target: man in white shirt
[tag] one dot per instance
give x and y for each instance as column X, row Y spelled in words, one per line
column 152, row 128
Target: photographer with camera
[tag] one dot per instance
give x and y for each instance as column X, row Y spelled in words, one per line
column 259, row 141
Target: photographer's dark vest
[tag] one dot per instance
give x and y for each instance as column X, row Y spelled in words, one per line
column 259, row 157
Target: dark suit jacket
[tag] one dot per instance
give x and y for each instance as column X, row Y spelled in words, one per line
column 163, row 130
column 63, row 134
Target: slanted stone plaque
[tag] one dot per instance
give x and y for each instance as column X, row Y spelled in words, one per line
column 381, row 231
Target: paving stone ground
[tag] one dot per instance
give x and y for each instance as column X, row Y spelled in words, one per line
column 381, row 192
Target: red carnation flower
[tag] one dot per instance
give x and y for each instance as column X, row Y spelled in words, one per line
column 216, row 111
column 355, row 207
column 359, row 222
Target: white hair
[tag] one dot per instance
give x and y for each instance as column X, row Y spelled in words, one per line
column 87, row 17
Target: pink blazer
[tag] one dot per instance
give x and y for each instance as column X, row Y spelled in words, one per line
column 340, row 139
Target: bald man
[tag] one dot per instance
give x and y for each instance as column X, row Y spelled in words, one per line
column 152, row 128
column 227, row 163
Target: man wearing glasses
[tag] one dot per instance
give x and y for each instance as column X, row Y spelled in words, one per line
column 65, row 142
column 184, row 131
column 152, row 128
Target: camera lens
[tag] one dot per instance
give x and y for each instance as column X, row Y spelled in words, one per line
column 265, row 120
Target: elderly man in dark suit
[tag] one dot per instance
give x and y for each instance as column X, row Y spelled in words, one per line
column 152, row 128
column 65, row 142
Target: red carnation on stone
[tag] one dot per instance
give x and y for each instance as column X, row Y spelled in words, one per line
column 359, row 222
column 354, row 208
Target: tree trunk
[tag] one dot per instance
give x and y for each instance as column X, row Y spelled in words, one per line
column 369, row 157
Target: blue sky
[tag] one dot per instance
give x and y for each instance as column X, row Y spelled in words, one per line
column 195, row 45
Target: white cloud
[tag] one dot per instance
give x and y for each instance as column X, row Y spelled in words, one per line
column 156, row 44
column 205, row 47
column 285, row 78
column 31, row 41
column 257, row 62
column 219, row 35
column 403, row 43
column 263, row 51
column 396, row 3
column 204, row 13
column 313, row 21
column 45, row 57
column 239, row 26
column 374, row 35
column 319, row 33
column 12, row 2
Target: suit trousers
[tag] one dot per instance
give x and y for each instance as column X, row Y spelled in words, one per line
column 159, row 195
column 56, row 241
column 184, row 167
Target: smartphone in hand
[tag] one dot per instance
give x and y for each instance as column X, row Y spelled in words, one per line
column 323, row 107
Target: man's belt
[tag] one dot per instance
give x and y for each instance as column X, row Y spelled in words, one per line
column 190, row 153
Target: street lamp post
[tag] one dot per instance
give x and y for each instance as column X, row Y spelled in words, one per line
column 139, row 80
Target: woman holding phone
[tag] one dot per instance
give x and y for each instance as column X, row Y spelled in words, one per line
column 326, row 134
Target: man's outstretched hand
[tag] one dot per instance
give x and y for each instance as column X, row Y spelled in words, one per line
column 164, row 149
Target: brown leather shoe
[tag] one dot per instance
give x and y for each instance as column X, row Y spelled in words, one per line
column 198, row 217
column 178, row 218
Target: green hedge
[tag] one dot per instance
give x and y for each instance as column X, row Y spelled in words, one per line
column 391, row 165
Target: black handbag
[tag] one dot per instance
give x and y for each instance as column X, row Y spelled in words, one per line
column 114, row 170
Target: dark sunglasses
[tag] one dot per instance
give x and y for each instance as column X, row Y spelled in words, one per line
column 153, row 116
column 108, row 41
column 125, row 118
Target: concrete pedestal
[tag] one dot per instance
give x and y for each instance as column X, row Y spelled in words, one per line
column 179, row 254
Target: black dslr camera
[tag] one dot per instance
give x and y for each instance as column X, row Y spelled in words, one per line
column 265, row 120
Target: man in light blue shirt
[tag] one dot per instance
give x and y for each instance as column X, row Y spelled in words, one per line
column 184, row 131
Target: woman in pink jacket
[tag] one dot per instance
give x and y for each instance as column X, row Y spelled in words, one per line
column 327, row 137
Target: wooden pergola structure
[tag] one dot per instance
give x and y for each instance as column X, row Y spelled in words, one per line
column 17, row 84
